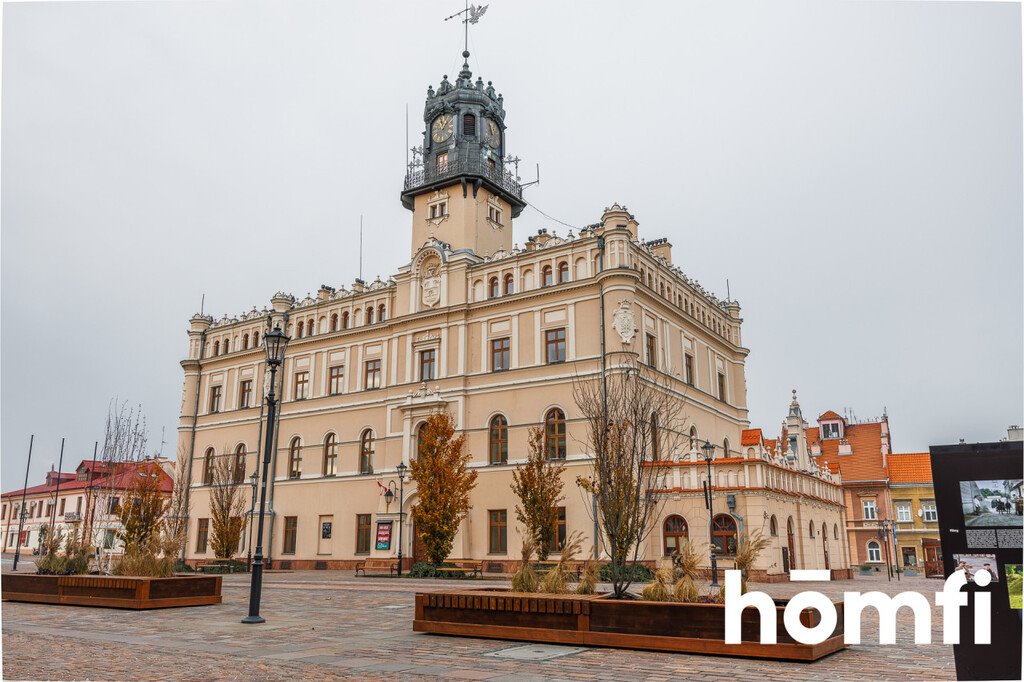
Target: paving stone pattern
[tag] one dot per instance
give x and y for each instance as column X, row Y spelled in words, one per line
column 328, row 625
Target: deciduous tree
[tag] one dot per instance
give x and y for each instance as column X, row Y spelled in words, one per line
column 227, row 504
column 444, row 482
column 538, row 485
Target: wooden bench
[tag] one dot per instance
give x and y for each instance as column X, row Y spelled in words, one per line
column 462, row 566
column 575, row 567
column 377, row 565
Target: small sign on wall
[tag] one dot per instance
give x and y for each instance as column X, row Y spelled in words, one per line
column 325, row 530
column 384, row 534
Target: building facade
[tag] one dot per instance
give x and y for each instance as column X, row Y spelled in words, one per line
column 497, row 335
column 83, row 501
column 917, row 518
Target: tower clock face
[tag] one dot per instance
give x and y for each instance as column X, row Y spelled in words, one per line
column 442, row 128
column 492, row 134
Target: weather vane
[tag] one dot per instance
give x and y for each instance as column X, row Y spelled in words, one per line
column 473, row 14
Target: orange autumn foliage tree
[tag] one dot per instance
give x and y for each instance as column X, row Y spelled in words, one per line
column 444, row 481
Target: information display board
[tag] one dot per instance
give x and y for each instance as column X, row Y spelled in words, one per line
column 981, row 523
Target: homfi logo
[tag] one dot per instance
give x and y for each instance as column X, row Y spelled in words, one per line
column 950, row 599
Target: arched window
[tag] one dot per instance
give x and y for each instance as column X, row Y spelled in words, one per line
column 421, row 431
column 675, row 532
column 498, row 440
column 773, row 527
column 366, row 452
column 381, row 312
column 245, row 342
column 208, row 467
column 330, row 454
column 563, row 272
column 227, row 344
column 310, row 327
column 469, row 125
column 255, row 339
column 238, row 470
column 874, row 552
column 295, row 458
column 810, row 529
column 369, row 315
column 554, row 434
column 334, row 322
column 546, row 277
column 723, row 535
column 510, row 284
column 300, row 328
column 693, row 438
column 216, row 348
column 725, row 448
column 492, row 287
column 835, row 531
column 655, row 446
column 344, row 320
column 527, row 280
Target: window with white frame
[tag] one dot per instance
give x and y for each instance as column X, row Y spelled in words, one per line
column 931, row 514
column 903, row 514
column 870, row 510
column 829, row 431
column 874, row 552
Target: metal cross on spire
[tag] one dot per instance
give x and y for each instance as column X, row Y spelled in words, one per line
column 472, row 15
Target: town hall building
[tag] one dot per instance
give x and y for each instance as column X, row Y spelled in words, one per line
column 496, row 335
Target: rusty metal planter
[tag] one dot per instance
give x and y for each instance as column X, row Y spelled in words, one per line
column 112, row 591
column 596, row 620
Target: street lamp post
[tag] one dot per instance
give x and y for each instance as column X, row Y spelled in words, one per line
column 401, row 513
column 274, row 342
column 252, row 512
column 709, row 454
column 21, row 510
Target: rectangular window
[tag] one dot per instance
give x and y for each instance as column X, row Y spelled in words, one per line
column 903, row 512
column 501, row 354
column 336, row 379
column 428, row 360
column 112, row 506
column 721, row 387
column 62, row 501
column 652, row 350
column 442, row 163
column 202, row 535
column 554, row 342
column 560, row 530
column 494, row 214
column 870, row 510
column 245, row 394
column 498, row 525
column 301, row 385
column 829, row 431
column 78, row 506
column 372, row 374
column 215, row 393
column 363, row 533
column 689, row 369
column 439, row 210
column 931, row 514
column 291, row 531
column 49, row 509
column 108, row 538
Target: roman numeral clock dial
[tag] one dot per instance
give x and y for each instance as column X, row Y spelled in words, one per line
column 442, row 128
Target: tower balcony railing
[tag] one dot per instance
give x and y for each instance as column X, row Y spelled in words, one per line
column 426, row 175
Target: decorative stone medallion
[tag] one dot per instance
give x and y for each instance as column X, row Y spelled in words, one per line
column 624, row 321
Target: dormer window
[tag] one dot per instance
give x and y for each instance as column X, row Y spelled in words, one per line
column 831, row 431
column 469, row 125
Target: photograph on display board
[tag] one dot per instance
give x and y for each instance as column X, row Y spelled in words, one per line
column 1014, row 584
column 991, row 504
column 972, row 563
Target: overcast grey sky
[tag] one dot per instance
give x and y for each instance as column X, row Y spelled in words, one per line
column 853, row 169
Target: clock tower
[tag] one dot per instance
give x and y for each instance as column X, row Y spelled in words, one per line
column 459, row 191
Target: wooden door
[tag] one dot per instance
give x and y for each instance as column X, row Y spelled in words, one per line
column 791, row 542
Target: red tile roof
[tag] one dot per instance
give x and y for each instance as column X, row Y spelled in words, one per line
column 829, row 415
column 911, row 467
column 865, row 464
column 751, row 437
column 120, row 480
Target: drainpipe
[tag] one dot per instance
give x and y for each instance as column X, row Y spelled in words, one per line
column 604, row 386
column 192, row 440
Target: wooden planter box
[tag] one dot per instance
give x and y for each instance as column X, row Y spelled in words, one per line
column 112, row 591
column 596, row 620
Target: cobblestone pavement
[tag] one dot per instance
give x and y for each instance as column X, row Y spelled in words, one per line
column 331, row 625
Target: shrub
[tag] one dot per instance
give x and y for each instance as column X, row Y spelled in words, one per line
column 526, row 579
column 658, row 590
column 423, row 569
column 631, row 573
column 686, row 565
column 555, row 581
column 589, row 579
